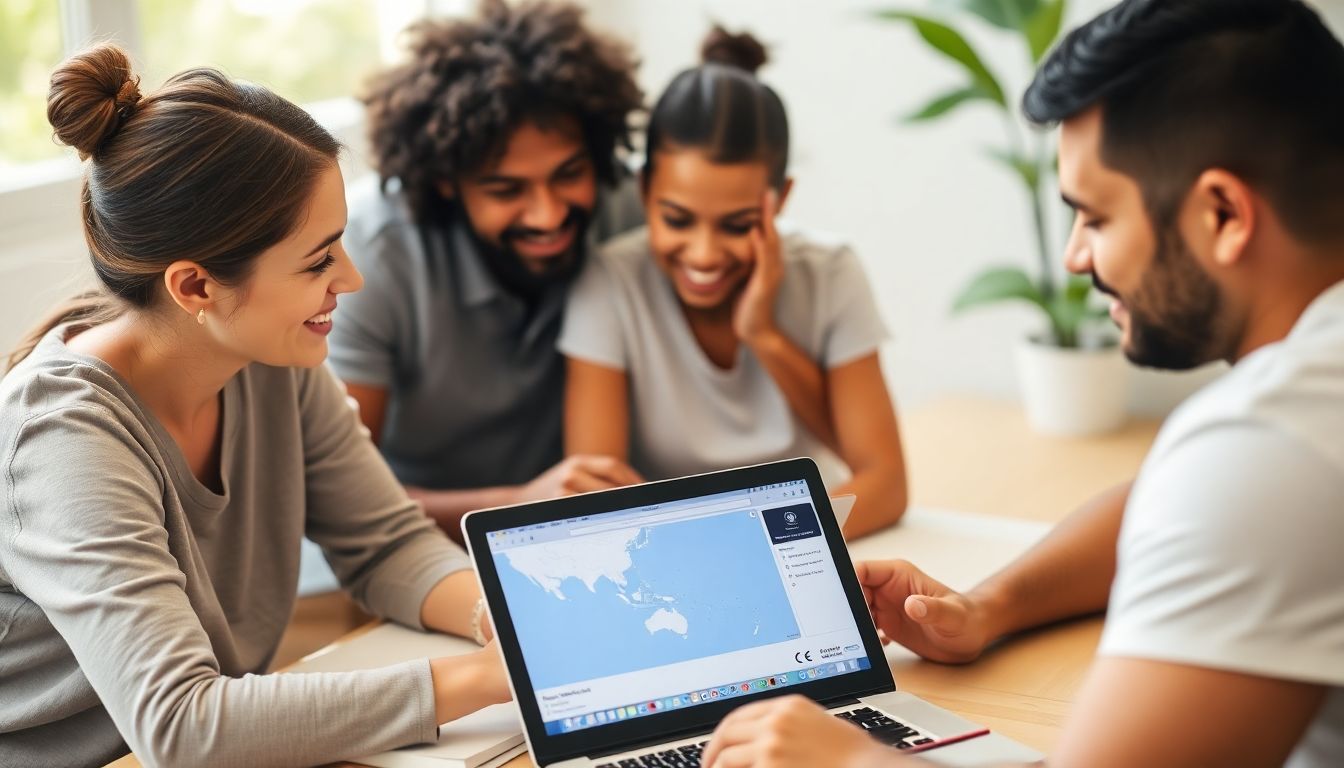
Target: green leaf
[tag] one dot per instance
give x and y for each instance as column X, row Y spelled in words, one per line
column 1024, row 167
column 999, row 284
column 1078, row 289
column 946, row 103
column 953, row 45
column 1043, row 26
column 1070, row 309
column 1005, row 14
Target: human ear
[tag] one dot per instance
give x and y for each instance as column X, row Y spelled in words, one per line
column 190, row 286
column 1224, row 212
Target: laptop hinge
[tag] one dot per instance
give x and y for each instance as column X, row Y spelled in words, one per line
column 838, row 701
column 653, row 741
column 666, row 737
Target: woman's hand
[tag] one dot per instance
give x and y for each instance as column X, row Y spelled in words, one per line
column 466, row 683
column 754, row 313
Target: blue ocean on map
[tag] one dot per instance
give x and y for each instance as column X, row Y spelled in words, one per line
column 694, row 588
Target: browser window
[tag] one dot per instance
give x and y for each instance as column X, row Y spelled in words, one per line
column 630, row 613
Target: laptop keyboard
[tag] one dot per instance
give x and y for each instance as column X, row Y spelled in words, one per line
column 878, row 725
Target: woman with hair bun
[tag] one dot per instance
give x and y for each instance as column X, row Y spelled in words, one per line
column 167, row 441
column 717, row 336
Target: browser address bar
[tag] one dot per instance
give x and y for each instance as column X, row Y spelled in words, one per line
column 699, row 510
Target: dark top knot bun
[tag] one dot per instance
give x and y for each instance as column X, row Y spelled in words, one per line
column 741, row 50
column 92, row 93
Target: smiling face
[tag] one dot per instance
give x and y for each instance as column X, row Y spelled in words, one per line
column 282, row 313
column 700, row 216
column 533, row 205
column 1169, row 309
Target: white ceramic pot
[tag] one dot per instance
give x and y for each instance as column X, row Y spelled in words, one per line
column 1072, row 392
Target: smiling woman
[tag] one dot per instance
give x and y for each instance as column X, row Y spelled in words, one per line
column 715, row 337
column 169, row 440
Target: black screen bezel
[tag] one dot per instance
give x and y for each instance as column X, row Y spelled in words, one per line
column 548, row 748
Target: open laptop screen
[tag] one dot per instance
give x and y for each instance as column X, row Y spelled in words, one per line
column 677, row 604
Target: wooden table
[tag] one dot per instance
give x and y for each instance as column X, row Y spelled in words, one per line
column 977, row 455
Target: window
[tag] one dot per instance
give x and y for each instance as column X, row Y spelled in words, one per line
column 30, row 47
column 304, row 50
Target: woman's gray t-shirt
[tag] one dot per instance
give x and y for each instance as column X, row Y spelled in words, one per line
column 687, row 415
column 137, row 605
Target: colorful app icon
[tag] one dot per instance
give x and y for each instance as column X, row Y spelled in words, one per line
column 601, row 717
column 620, row 714
column 643, row 709
column 631, row 711
column 695, row 697
column 714, row 694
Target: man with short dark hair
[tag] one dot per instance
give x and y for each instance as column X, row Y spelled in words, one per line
column 495, row 149
column 1202, row 147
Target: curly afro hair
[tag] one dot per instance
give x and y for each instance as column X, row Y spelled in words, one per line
column 468, row 83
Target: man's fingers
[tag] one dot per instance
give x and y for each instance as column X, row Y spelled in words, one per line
column 741, row 725
column 942, row 614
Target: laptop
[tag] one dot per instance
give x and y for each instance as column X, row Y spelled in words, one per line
column 631, row 621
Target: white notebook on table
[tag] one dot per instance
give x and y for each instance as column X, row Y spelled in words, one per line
column 484, row 739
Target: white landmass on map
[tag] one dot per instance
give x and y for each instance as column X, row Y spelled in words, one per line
column 666, row 619
column 587, row 558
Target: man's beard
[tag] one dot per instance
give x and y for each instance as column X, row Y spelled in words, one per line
column 1174, row 313
column 511, row 268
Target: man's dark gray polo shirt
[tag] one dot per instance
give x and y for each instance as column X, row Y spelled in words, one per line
column 475, row 384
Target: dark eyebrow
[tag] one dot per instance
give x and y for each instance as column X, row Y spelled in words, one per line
column 582, row 154
column 675, row 208
column 742, row 212
column 1076, row 204
column 331, row 239
column 499, row 178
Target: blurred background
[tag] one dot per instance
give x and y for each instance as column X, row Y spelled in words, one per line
column 923, row 205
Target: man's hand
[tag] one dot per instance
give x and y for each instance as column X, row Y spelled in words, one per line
column 579, row 474
column 923, row 614
column 793, row 732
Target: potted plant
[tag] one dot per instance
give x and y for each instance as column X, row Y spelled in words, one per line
column 1072, row 373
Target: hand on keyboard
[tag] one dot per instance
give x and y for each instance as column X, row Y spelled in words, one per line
column 794, row 732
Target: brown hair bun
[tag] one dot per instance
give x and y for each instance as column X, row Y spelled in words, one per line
column 91, row 95
column 741, row 50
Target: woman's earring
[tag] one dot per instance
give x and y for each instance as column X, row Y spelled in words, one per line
column 200, row 317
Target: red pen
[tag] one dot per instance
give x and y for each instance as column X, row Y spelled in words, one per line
column 944, row 742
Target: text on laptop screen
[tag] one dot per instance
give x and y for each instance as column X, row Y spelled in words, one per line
column 629, row 613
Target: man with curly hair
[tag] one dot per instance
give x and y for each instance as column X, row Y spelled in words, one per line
column 495, row 144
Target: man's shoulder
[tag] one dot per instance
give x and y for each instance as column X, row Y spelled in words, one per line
column 1294, row 387
column 380, row 223
column 619, row 209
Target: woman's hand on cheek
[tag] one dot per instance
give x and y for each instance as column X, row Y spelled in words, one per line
column 754, row 314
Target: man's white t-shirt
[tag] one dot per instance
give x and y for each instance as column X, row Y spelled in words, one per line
column 1231, row 554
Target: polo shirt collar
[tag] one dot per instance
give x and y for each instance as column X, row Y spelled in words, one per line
column 475, row 284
